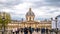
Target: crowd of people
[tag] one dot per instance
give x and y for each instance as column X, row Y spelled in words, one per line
column 30, row 30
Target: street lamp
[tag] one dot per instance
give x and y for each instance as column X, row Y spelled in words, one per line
column 3, row 25
column 56, row 26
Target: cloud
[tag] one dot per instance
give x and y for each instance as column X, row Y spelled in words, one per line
column 9, row 3
column 31, row 0
column 54, row 3
column 47, row 11
column 41, row 8
column 23, row 5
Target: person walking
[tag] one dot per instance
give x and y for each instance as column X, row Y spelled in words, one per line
column 25, row 30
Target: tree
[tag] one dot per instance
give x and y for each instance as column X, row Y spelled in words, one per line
column 7, row 19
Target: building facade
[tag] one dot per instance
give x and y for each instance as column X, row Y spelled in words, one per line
column 30, row 22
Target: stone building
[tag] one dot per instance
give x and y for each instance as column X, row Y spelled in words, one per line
column 30, row 22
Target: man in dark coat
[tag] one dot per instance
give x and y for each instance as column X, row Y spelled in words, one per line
column 30, row 30
column 25, row 30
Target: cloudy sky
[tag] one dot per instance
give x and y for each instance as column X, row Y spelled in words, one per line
column 41, row 8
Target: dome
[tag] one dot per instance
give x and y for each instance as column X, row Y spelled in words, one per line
column 30, row 13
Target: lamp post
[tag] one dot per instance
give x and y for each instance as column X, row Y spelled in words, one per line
column 18, row 29
column 56, row 26
column 3, row 25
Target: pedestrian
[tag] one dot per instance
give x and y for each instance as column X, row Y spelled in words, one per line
column 25, row 30
column 13, row 31
column 30, row 30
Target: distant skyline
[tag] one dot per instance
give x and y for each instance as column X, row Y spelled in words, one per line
column 41, row 8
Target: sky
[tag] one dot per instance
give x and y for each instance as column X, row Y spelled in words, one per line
column 41, row 8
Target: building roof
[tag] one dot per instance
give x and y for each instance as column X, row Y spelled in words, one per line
column 30, row 13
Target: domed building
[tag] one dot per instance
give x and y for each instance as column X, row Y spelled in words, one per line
column 30, row 22
column 30, row 15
